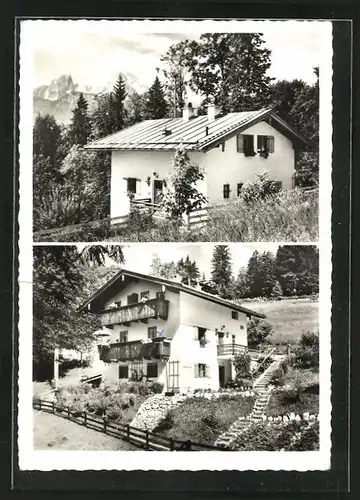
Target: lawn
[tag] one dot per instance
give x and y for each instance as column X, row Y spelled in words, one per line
column 53, row 432
column 202, row 420
column 289, row 318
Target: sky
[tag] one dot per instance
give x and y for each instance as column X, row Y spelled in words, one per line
column 138, row 257
column 95, row 52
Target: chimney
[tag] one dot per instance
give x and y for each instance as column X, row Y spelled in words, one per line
column 212, row 112
column 188, row 112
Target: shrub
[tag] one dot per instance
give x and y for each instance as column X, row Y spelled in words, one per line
column 307, row 353
column 259, row 189
column 113, row 413
column 157, row 387
column 277, row 377
column 258, row 332
column 242, row 364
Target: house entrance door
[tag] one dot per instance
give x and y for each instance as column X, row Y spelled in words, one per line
column 174, row 384
column 221, row 375
column 158, row 189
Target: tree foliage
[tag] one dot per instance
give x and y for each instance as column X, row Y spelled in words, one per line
column 80, row 126
column 119, row 96
column 181, row 196
column 155, row 104
column 258, row 332
column 47, row 139
column 188, row 271
column 221, row 273
column 162, row 269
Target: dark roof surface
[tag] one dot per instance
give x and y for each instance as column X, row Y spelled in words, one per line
column 197, row 134
column 173, row 285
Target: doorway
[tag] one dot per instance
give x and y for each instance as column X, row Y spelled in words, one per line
column 158, row 189
column 221, row 375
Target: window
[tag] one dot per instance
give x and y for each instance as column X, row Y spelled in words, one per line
column 245, row 144
column 152, row 370
column 201, row 370
column 145, row 295
column 265, row 143
column 226, row 191
column 239, row 188
column 124, row 371
column 241, row 327
column 201, row 336
column 118, row 303
column 133, row 298
column 160, row 295
column 124, row 336
column 278, row 185
column 152, row 332
column 131, row 185
column 234, row 315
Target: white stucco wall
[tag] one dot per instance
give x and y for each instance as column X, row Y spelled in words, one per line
column 200, row 312
column 220, row 167
column 139, row 165
column 231, row 167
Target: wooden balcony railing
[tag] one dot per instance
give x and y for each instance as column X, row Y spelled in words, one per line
column 136, row 350
column 230, row 349
column 153, row 308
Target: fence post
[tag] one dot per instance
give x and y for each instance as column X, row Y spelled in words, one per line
column 85, row 416
column 147, row 439
column 172, row 444
column 53, row 406
column 104, row 420
column 188, row 443
column 40, row 404
column 68, row 412
column 128, row 432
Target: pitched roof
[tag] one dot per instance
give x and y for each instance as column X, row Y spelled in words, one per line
column 197, row 134
column 172, row 285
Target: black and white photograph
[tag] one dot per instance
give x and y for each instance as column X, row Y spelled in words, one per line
column 173, row 136
column 175, row 245
column 215, row 349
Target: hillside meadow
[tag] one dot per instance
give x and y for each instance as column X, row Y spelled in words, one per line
column 289, row 318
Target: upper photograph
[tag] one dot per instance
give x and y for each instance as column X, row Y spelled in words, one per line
column 175, row 136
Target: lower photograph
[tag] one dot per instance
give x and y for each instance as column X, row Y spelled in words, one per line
column 176, row 347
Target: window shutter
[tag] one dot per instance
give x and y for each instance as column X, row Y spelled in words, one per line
column 207, row 371
column 260, row 142
column 271, row 143
column 240, row 143
column 196, row 370
column 239, row 187
column 226, row 191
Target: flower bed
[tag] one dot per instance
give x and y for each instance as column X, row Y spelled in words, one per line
column 292, row 436
column 116, row 401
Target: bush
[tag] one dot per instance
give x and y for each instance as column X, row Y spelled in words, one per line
column 157, row 387
column 307, row 353
column 261, row 188
column 242, row 364
column 277, row 377
column 258, row 332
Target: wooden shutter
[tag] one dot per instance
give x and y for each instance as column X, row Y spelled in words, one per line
column 270, row 143
column 208, row 371
column 240, row 143
column 196, row 370
column 226, row 191
column 260, row 142
column 239, row 188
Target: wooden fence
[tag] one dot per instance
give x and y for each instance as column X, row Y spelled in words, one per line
column 141, row 438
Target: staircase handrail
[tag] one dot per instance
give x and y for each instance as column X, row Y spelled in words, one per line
column 263, row 361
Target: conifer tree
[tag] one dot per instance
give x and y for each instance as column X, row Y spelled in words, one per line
column 119, row 96
column 188, row 271
column 156, row 105
column 80, row 126
column 221, row 273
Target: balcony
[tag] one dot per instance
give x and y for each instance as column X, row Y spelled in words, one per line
column 153, row 308
column 230, row 349
column 158, row 348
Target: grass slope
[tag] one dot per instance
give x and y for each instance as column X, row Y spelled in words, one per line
column 202, row 421
column 53, row 432
column 289, row 318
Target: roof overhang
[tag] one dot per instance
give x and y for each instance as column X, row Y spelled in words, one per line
column 171, row 285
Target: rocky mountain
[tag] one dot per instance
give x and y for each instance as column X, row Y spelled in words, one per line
column 60, row 96
column 59, row 99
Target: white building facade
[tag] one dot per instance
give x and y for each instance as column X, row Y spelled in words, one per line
column 162, row 330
